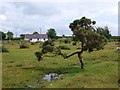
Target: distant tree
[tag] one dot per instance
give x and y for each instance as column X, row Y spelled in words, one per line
column 22, row 36
column 63, row 35
column 104, row 31
column 9, row 35
column 35, row 32
column 2, row 35
column 84, row 32
column 51, row 33
column 116, row 38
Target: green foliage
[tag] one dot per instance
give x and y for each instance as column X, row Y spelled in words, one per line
column 74, row 43
column 104, row 31
column 116, row 38
column 38, row 55
column 48, row 42
column 23, row 45
column 41, row 44
column 48, row 46
column 32, row 43
column 66, row 41
column 64, row 47
column 9, row 35
column 35, row 32
column 16, row 38
column 84, row 32
column 51, row 33
column 3, row 49
column 2, row 35
column 22, row 36
column 83, row 22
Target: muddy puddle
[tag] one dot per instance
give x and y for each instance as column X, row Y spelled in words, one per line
column 52, row 76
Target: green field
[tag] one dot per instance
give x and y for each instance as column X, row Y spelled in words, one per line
column 20, row 68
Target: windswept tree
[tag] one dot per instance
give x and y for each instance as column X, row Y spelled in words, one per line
column 9, row 35
column 84, row 32
column 51, row 33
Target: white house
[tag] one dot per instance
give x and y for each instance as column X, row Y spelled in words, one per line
column 36, row 37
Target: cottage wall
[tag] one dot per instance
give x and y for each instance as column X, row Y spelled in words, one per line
column 35, row 38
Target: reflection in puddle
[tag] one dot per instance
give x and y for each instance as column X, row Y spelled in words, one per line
column 52, row 76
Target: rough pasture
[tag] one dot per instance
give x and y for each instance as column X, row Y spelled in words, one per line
column 20, row 68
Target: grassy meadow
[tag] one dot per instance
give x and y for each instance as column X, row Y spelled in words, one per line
column 20, row 68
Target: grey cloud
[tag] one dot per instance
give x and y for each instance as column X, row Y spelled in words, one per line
column 27, row 17
column 39, row 8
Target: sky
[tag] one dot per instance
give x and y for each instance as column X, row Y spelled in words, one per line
column 23, row 17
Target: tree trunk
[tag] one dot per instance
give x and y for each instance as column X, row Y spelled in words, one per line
column 79, row 56
column 81, row 60
column 79, row 53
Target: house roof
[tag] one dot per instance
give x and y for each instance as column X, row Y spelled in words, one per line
column 36, row 36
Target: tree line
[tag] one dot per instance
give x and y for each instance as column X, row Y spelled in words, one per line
column 9, row 35
column 53, row 35
column 104, row 31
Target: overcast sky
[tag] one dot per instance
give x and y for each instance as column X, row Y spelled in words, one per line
column 27, row 17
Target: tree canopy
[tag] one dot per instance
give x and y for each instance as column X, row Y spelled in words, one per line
column 84, row 32
column 51, row 33
column 22, row 36
column 104, row 31
column 35, row 32
column 2, row 35
column 9, row 35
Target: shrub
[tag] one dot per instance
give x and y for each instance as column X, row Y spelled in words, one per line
column 47, row 48
column 3, row 49
column 32, row 43
column 66, row 41
column 23, row 45
column 64, row 47
column 49, row 42
column 41, row 44
column 78, row 47
column 74, row 43
column 60, row 40
column 38, row 55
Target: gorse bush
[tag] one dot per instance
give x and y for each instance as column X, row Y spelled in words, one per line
column 32, row 43
column 64, row 47
column 3, row 49
column 74, row 43
column 41, row 44
column 38, row 55
column 49, row 42
column 48, row 46
column 24, row 45
column 66, row 41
